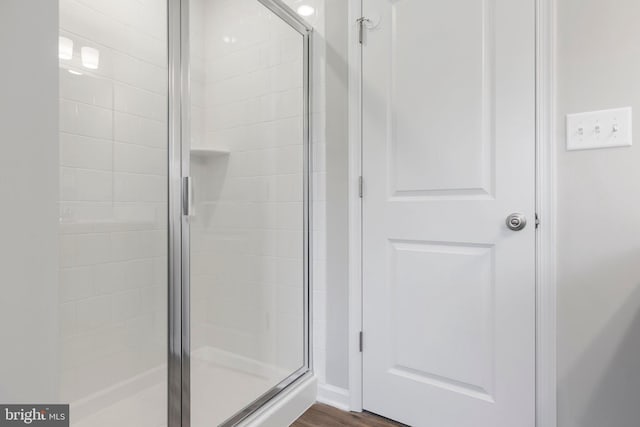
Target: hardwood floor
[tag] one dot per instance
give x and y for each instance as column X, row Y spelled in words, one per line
column 326, row 416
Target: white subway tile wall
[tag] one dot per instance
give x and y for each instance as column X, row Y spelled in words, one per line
column 113, row 195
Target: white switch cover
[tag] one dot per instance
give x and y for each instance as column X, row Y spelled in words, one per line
column 599, row 129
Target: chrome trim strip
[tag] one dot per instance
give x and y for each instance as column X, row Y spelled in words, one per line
column 308, row 202
column 265, row 398
column 287, row 15
column 185, row 82
column 174, row 261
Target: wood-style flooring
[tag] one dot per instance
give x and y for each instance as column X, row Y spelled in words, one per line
column 326, row 416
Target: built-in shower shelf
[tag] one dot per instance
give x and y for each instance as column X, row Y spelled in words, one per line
column 209, row 152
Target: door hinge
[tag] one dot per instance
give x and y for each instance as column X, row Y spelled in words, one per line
column 537, row 220
column 362, row 22
column 360, row 341
column 360, row 186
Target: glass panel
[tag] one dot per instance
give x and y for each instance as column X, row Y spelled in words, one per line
column 247, row 233
column 113, row 211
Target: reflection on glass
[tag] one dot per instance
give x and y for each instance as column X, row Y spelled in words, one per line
column 305, row 10
column 90, row 57
column 247, row 271
column 65, row 48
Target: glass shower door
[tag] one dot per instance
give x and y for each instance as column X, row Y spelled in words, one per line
column 249, row 220
column 113, row 199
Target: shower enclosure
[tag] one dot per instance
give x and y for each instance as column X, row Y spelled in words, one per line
column 184, row 209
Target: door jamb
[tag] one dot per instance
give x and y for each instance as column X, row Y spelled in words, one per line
column 546, row 285
column 355, row 206
column 546, row 406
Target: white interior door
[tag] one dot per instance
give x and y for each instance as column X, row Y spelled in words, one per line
column 448, row 154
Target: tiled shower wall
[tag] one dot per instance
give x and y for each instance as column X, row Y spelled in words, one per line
column 113, row 194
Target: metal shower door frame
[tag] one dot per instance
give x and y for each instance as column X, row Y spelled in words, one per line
column 179, row 311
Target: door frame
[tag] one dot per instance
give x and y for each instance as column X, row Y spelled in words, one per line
column 545, row 171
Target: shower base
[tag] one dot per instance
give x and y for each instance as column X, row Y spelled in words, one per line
column 221, row 385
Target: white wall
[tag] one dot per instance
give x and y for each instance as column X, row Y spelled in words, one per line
column 337, row 216
column 29, row 188
column 598, row 63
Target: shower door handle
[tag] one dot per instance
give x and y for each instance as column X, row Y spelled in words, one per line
column 187, row 196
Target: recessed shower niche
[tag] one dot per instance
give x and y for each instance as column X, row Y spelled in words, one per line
column 208, row 173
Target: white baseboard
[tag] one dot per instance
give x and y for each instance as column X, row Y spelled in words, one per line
column 284, row 409
column 334, row 396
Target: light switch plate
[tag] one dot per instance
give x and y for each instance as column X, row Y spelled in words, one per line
column 599, row 129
